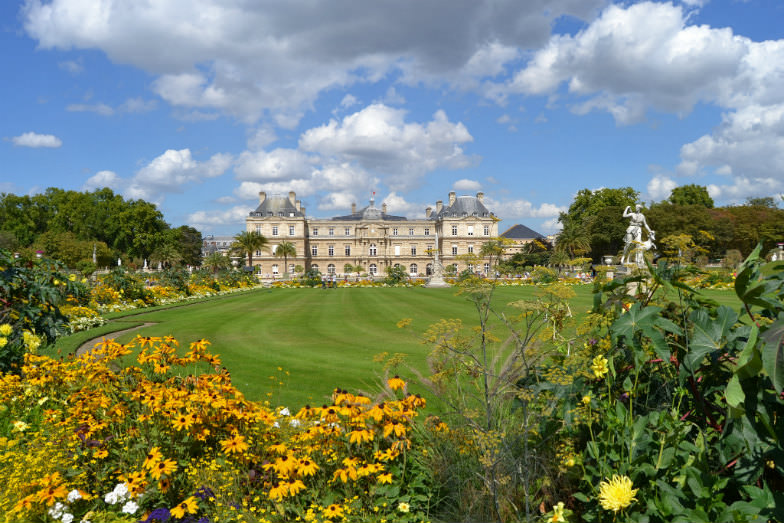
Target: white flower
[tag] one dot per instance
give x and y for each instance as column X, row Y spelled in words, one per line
column 57, row 510
column 73, row 496
column 121, row 491
column 110, row 498
column 285, row 411
column 67, row 517
column 295, row 422
column 276, row 425
column 130, row 508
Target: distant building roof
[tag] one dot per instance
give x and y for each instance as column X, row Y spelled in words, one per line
column 463, row 206
column 276, row 205
column 371, row 212
column 521, row 232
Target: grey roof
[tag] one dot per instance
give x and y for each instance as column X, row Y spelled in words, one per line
column 371, row 212
column 276, row 205
column 521, row 232
column 463, row 206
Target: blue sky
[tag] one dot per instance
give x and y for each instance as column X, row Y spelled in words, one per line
column 197, row 105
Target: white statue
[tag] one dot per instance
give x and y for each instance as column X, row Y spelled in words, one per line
column 633, row 242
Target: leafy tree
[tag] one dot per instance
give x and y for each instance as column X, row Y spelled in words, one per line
column 494, row 249
column 216, row 261
column 396, row 275
column 691, row 195
column 248, row 242
column 573, row 240
column 189, row 242
column 765, row 201
column 285, row 249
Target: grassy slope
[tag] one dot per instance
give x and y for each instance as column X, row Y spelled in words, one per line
column 324, row 338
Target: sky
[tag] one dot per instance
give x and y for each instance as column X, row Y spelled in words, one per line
column 197, row 105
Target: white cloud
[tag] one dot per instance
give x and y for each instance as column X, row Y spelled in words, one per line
column 466, row 185
column 380, row 141
column 138, row 105
column 172, row 172
column 348, row 101
column 635, row 57
column 206, row 220
column 247, row 58
column 397, row 205
column 279, row 164
column 99, row 108
column 515, row 209
column 749, row 142
column 73, row 67
column 660, row 187
column 742, row 188
column 35, row 140
column 104, row 179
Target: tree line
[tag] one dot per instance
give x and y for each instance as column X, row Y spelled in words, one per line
column 687, row 224
column 71, row 225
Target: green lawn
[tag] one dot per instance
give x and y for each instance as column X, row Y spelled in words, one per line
column 323, row 338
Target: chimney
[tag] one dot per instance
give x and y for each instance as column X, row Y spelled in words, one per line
column 428, row 211
column 354, row 208
column 451, row 198
column 262, row 196
column 383, row 208
column 297, row 204
column 302, row 210
column 292, row 197
column 481, row 197
column 439, row 206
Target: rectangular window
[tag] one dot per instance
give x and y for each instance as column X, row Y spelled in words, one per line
column 486, row 231
column 348, row 231
column 331, row 250
column 413, row 250
column 397, row 250
column 291, row 230
column 274, row 268
column 454, row 250
column 274, row 230
column 314, row 250
column 411, row 231
column 258, row 229
column 315, row 231
column 429, row 247
column 332, row 231
column 427, row 231
column 258, row 253
column 394, row 231
column 470, row 249
column 454, row 230
column 348, row 250
column 470, row 230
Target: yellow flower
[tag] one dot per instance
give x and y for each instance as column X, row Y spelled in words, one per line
column 404, row 507
column 599, row 367
column 385, row 478
column 587, row 400
column 617, row 494
column 234, row 444
column 163, row 467
column 6, row 329
column 187, row 506
column 3, row 342
column 396, row 383
column 333, row 511
column 21, row 426
column 558, row 515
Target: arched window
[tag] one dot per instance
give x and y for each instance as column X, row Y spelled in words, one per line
column 487, row 268
column 373, row 270
column 275, row 269
column 331, row 268
column 413, row 270
column 291, row 268
column 373, row 250
column 348, row 268
column 314, row 267
column 429, row 269
column 397, row 265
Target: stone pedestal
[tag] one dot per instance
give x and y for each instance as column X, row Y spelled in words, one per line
column 436, row 281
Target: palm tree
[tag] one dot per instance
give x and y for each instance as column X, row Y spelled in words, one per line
column 492, row 248
column 248, row 242
column 216, row 261
column 573, row 240
column 285, row 249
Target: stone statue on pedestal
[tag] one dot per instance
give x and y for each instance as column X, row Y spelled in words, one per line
column 437, row 279
column 634, row 247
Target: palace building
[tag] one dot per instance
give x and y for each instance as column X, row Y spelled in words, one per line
column 372, row 239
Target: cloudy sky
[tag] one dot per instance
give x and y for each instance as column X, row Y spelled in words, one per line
column 197, row 105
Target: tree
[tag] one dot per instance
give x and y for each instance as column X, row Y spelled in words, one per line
column 216, row 261
column 766, row 201
column 285, row 249
column 494, row 249
column 691, row 194
column 248, row 242
column 573, row 240
column 189, row 243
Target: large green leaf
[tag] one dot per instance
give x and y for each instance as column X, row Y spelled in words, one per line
column 635, row 319
column 773, row 354
column 709, row 334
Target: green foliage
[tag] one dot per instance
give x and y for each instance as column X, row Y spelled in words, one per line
column 31, row 294
column 130, row 285
column 684, row 399
column 311, row 278
column 691, row 194
column 396, row 275
column 248, row 242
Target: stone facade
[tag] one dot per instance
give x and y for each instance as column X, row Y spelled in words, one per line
column 371, row 238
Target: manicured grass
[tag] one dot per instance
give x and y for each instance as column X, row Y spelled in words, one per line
column 323, row 338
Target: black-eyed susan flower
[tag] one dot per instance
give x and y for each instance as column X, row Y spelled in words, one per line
column 152, row 458
column 187, row 506
column 333, row 511
column 235, row 444
column 395, row 383
column 160, row 468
